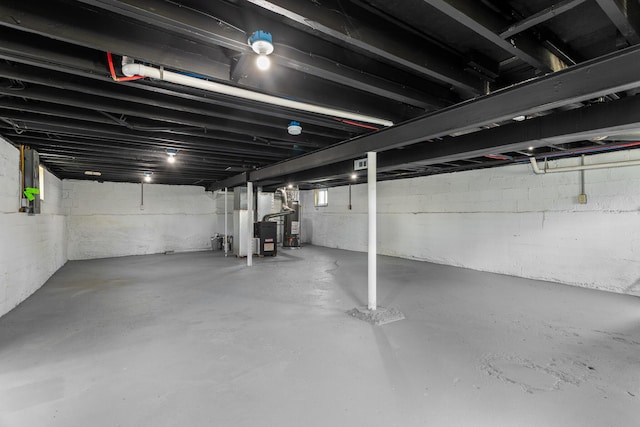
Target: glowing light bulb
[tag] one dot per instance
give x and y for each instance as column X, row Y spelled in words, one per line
column 171, row 159
column 147, row 178
column 263, row 62
column 354, row 176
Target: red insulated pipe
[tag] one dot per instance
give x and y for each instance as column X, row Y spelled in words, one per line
column 362, row 125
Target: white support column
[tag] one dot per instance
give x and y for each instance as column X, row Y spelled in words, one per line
column 226, row 233
column 371, row 185
column 250, row 224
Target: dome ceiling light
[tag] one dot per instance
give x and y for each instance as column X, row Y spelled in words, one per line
column 262, row 43
column 294, row 128
column 171, row 152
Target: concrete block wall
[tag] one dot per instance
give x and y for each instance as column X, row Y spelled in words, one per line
column 504, row 220
column 32, row 248
column 116, row 219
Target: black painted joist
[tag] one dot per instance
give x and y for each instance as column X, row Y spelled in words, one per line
column 612, row 73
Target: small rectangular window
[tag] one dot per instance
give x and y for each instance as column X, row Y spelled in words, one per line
column 321, row 197
column 41, row 181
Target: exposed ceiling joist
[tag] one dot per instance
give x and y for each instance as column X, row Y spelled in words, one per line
column 37, row 56
column 395, row 59
column 582, row 124
column 488, row 25
column 589, row 80
column 39, row 51
column 361, row 80
column 83, row 27
column 171, row 118
column 205, row 29
column 42, row 123
column 180, row 20
column 540, row 17
column 575, row 125
column 71, row 153
column 79, row 146
column 625, row 15
column 88, row 115
column 428, row 60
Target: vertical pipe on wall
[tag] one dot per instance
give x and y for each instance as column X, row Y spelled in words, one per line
column 226, row 233
column 22, row 209
column 582, row 176
column 371, row 178
column 250, row 224
column 22, row 167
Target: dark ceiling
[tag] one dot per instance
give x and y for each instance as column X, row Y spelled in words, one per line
column 450, row 74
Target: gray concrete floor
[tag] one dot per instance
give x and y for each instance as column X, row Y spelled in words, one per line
column 199, row 340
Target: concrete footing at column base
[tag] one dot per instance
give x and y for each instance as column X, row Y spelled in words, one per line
column 379, row 316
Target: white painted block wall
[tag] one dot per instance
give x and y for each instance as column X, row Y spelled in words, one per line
column 504, row 220
column 218, row 197
column 108, row 219
column 32, row 248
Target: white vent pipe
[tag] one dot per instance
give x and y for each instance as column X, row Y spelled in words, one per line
column 539, row 171
column 131, row 69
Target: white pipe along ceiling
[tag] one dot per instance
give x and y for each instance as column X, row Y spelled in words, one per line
column 538, row 171
column 134, row 69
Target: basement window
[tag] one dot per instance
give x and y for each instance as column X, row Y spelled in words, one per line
column 321, row 197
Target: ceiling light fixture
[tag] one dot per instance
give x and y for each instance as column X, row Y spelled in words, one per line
column 92, row 173
column 519, row 118
column 147, row 176
column 171, row 152
column 290, row 186
column 354, row 176
column 294, row 128
column 262, row 43
column 263, row 62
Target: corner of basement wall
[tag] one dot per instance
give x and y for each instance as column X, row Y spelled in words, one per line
column 32, row 248
column 504, row 220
